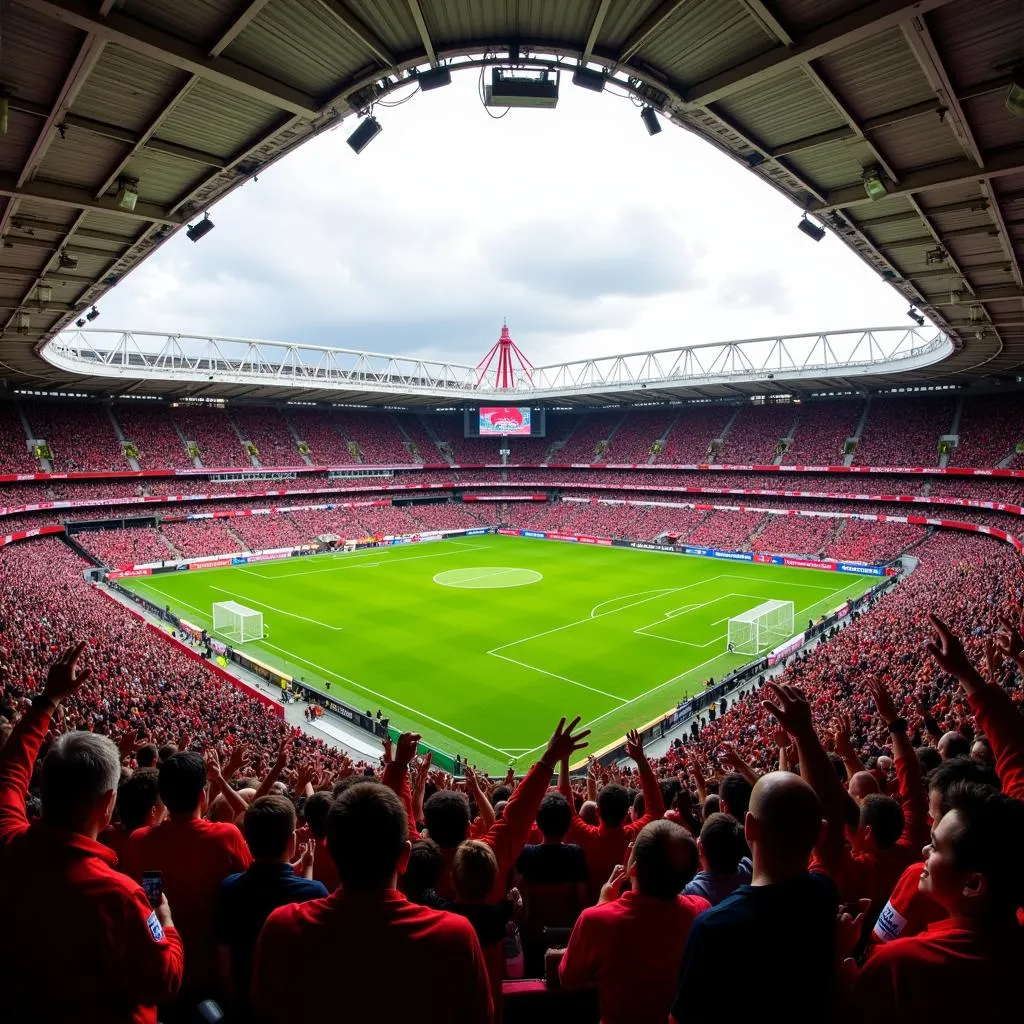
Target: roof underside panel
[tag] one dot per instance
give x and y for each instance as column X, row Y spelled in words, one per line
column 192, row 98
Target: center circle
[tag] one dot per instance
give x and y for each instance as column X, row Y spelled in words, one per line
column 487, row 577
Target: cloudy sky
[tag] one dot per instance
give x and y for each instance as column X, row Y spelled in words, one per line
column 590, row 236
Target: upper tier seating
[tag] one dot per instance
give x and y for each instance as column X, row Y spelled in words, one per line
column 903, row 431
column 990, row 428
column 378, row 437
column 80, row 436
column 267, row 429
column 693, row 432
column 821, row 431
column 320, row 430
column 212, row 431
column 14, row 455
column 755, row 433
column 150, row 428
column 594, row 428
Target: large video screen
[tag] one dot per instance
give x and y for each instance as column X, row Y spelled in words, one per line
column 508, row 420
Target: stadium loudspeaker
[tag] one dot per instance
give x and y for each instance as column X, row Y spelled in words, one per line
column 811, row 230
column 200, row 230
column 587, row 78
column 369, row 128
column 435, row 78
column 650, row 118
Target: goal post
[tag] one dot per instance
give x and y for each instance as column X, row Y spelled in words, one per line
column 761, row 628
column 235, row 622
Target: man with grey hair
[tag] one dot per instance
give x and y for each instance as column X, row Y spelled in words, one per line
column 119, row 957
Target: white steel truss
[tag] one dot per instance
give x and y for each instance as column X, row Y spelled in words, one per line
column 145, row 355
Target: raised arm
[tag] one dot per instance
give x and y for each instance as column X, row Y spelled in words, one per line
column 479, row 797
column 654, row 802
column 19, row 753
column 396, row 775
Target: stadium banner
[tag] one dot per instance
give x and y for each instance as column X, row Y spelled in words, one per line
column 784, row 650
column 475, row 533
column 534, row 534
column 643, row 545
column 734, row 556
column 39, row 531
column 861, row 568
column 118, row 574
column 241, row 560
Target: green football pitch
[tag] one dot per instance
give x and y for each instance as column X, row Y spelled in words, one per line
column 482, row 643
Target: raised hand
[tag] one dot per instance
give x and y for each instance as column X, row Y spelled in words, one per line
column 612, row 889
column 949, row 653
column 564, row 742
column 64, row 676
column 1008, row 640
column 883, row 701
column 389, row 753
column 634, row 746
column 237, row 760
column 790, row 708
column 405, row 751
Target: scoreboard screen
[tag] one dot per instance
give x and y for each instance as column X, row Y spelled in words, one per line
column 505, row 420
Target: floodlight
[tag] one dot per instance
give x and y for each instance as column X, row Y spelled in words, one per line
column 434, row 78
column 80, row 323
column 649, row 116
column 810, row 229
column 67, row 262
column 1015, row 97
column 44, row 294
column 24, row 322
column 127, row 193
column 587, row 78
column 92, row 314
column 200, row 230
column 914, row 315
column 874, row 183
column 368, row 129
column 508, row 89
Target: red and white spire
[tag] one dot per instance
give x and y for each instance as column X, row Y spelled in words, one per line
column 506, row 362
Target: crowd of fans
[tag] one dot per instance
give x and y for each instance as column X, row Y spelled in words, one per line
column 755, row 434
column 822, row 429
column 148, row 426
column 78, row 436
column 867, row 801
column 904, row 431
column 268, row 431
column 212, row 432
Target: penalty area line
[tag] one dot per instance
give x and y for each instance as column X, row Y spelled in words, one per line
column 555, row 675
column 291, row 656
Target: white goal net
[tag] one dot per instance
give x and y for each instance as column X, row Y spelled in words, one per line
column 235, row 622
column 761, row 628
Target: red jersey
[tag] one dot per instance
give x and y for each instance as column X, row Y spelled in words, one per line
column 78, row 939
column 949, row 972
column 323, row 866
column 631, row 949
column 908, row 912
column 604, row 846
column 371, row 951
column 195, row 856
column 1001, row 721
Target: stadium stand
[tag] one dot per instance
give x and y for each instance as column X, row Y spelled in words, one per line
column 728, row 530
column 126, row 546
column 149, row 427
column 593, row 429
column 793, row 535
column 211, row 430
column 822, row 429
column 14, row 455
column 267, row 429
column 321, row 432
column 990, row 429
column 377, row 437
column 906, row 430
column 690, row 438
column 202, row 537
column 636, row 437
column 79, row 436
column 755, row 433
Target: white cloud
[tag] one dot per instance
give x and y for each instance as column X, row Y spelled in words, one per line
column 588, row 235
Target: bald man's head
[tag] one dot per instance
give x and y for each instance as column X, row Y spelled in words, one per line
column 663, row 860
column 784, row 820
column 861, row 784
column 588, row 812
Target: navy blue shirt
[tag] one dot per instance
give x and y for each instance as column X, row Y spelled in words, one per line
column 244, row 903
column 777, row 939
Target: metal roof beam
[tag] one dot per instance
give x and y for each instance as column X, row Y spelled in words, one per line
column 595, row 29
column 643, row 32
column 82, row 199
column 993, row 293
column 998, row 163
column 943, row 272
column 876, row 17
column 167, row 49
column 421, row 26
column 249, row 10
column 355, row 27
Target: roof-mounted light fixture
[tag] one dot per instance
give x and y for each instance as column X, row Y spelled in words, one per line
column 67, row 261
column 92, row 314
column 588, row 78
column 874, row 183
column 914, row 315
column 434, row 78
column 200, row 230
column 368, row 129
column 127, row 193
column 649, row 116
column 1015, row 97
column 810, row 229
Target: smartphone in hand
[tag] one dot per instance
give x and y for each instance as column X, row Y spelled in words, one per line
column 153, row 886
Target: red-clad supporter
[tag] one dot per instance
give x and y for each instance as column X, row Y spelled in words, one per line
column 604, row 845
column 689, row 440
column 79, row 436
column 821, row 431
column 268, row 431
column 904, row 431
column 211, row 430
column 148, row 426
column 118, row 957
column 138, row 806
column 194, row 856
column 754, row 435
column 364, row 931
column 973, row 956
column 630, row 945
column 593, row 430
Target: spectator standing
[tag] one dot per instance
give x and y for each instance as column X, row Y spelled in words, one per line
column 724, row 864
column 246, row 900
column 82, row 940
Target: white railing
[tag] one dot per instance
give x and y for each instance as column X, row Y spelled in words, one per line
column 145, row 355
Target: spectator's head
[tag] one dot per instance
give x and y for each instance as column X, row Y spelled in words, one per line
column 663, row 860
column 183, row 784
column 712, row 805
column 147, row 756
column 928, row 758
column 782, row 825
column 981, row 750
column 952, row 744
column 885, row 764
column 972, row 865
column 80, row 776
column 881, row 822
column 314, row 810
column 588, row 813
column 367, row 837
column 554, row 816
column 862, row 784
column 138, row 800
column 166, row 751
column 947, row 774
column 734, row 795
column 474, row 871
column 446, row 814
column 426, row 863
column 721, row 844
column 269, row 828
column 613, row 805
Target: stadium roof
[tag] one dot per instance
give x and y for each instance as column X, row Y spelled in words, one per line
column 185, row 101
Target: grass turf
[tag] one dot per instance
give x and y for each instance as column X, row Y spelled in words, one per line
column 524, row 631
